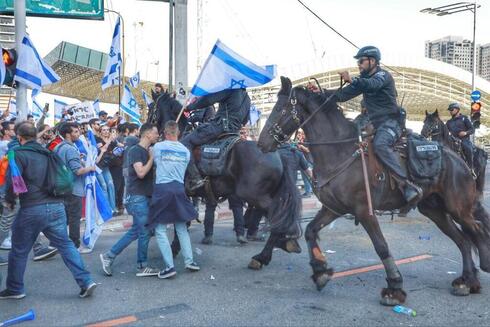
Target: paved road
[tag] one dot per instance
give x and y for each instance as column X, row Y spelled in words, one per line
column 225, row 292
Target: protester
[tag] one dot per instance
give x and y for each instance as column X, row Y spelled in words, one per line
column 107, row 145
column 170, row 204
column 116, row 166
column 306, row 153
column 39, row 212
column 103, row 116
column 70, row 155
column 139, row 191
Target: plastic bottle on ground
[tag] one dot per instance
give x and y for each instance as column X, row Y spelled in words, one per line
column 404, row 310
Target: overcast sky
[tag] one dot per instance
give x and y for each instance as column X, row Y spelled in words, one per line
column 278, row 32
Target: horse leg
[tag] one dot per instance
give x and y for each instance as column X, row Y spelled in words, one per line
column 394, row 293
column 482, row 238
column 468, row 282
column 318, row 262
column 264, row 257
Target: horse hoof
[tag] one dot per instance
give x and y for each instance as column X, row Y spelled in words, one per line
column 460, row 290
column 292, row 246
column 391, row 297
column 321, row 281
column 255, row 265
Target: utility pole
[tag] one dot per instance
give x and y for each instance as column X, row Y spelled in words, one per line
column 170, row 44
column 20, row 31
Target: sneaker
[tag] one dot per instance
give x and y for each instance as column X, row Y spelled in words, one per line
column 7, row 294
column 7, row 244
column 255, row 237
column 147, row 271
column 167, row 273
column 87, row 291
column 3, row 261
column 207, row 240
column 84, row 250
column 192, row 267
column 45, row 253
column 241, row 239
column 106, row 264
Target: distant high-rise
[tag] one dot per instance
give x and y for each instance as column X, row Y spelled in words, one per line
column 7, row 31
column 457, row 51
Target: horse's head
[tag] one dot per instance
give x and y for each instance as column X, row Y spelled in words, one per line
column 432, row 125
column 285, row 118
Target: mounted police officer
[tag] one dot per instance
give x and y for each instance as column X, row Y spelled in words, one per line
column 232, row 114
column 461, row 127
column 377, row 87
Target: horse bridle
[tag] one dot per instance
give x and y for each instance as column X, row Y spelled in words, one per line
column 435, row 126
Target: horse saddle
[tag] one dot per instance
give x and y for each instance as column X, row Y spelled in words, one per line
column 211, row 158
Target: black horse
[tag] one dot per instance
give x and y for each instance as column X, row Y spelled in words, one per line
column 450, row 201
column 435, row 129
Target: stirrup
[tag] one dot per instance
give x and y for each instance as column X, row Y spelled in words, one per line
column 196, row 185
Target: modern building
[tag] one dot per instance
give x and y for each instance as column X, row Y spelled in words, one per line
column 7, row 40
column 457, row 51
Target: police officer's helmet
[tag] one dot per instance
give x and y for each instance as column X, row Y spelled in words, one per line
column 453, row 105
column 370, row 52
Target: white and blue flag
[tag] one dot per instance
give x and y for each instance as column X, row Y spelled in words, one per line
column 96, row 106
column 37, row 110
column 12, row 108
column 129, row 105
column 31, row 69
column 135, row 80
column 147, row 98
column 114, row 62
column 59, row 107
column 254, row 115
column 3, row 72
column 225, row 69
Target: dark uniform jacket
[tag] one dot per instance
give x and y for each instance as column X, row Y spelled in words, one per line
column 379, row 94
column 293, row 160
column 233, row 110
column 459, row 124
column 167, row 108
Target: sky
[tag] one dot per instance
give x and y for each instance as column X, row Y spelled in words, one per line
column 277, row 32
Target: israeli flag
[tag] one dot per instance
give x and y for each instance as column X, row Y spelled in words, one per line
column 147, row 98
column 254, row 115
column 37, row 110
column 12, row 108
column 129, row 105
column 59, row 107
column 225, row 69
column 31, row 69
column 114, row 62
column 3, row 72
column 96, row 107
column 135, row 80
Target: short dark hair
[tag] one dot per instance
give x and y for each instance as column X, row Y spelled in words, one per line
column 172, row 128
column 159, row 85
column 26, row 130
column 121, row 128
column 93, row 121
column 146, row 127
column 67, row 128
column 6, row 124
column 42, row 128
column 132, row 127
column 30, row 116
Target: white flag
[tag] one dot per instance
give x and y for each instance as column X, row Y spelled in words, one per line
column 114, row 62
column 59, row 106
column 135, row 80
column 129, row 105
column 31, row 69
column 225, row 69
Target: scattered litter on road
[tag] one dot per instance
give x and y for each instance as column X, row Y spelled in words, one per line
column 198, row 251
column 290, row 268
column 275, row 249
column 330, row 251
column 424, row 237
column 162, row 317
column 212, row 277
column 123, row 272
column 452, row 272
column 404, row 310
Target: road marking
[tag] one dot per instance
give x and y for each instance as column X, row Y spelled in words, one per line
column 115, row 322
column 361, row 270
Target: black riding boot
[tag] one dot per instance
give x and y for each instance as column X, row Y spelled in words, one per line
column 194, row 176
column 412, row 193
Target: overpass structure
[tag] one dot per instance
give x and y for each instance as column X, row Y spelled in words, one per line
column 422, row 84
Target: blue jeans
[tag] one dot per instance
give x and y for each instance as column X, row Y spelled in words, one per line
column 164, row 245
column 306, row 182
column 51, row 220
column 107, row 185
column 138, row 207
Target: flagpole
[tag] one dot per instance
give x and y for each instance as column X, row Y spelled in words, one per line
column 20, row 31
column 121, row 71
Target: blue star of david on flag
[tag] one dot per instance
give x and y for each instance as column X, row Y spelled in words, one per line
column 239, row 84
column 129, row 105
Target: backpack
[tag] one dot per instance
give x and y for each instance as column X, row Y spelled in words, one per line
column 59, row 178
column 424, row 158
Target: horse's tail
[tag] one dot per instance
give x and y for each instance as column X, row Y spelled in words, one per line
column 481, row 166
column 285, row 210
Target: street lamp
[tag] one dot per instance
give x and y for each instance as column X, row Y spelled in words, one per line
column 453, row 9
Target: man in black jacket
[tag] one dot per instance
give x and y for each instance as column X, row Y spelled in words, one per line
column 378, row 89
column 232, row 114
column 39, row 212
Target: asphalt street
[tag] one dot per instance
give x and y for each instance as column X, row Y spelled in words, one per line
column 226, row 293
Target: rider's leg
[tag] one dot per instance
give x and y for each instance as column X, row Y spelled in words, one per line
column 384, row 141
column 468, row 152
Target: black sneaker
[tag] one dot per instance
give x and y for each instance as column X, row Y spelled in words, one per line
column 207, row 240
column 44, row 253
column 87, row 291
column 7, row 294
column 192, row 267
column 241, row 239
column 3, row 261
column 167, row 273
